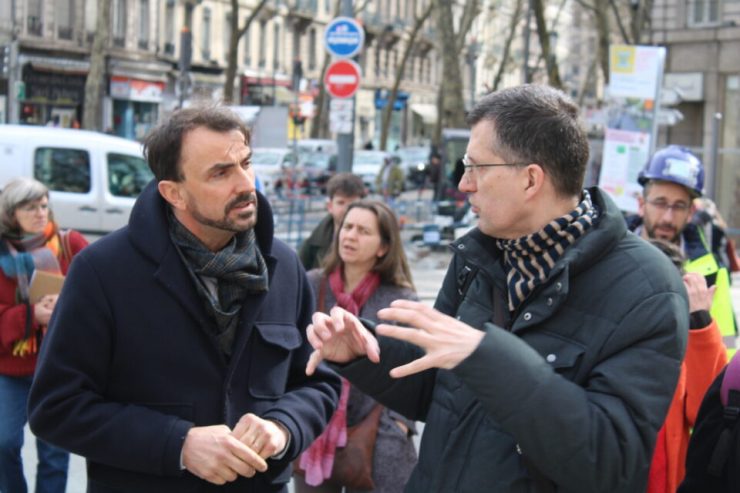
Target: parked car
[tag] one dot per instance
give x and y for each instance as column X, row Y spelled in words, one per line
column 316, row 168
column 317, row 145
column 273, row 166
column 414, row 162
column 93, row 178
column 367, row 164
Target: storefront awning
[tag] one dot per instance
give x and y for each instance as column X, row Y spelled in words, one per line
column 427, row 112
column 51, row 64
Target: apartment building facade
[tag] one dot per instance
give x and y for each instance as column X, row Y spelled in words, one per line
column 53, row 39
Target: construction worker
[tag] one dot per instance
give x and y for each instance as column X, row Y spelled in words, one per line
column 671, row 180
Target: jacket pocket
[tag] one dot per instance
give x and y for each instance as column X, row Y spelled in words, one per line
column 271, row 358
column 562, row 354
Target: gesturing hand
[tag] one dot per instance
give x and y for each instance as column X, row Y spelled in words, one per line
column 446, row 340
column 212, row 453
column 339, row 337
column 700, row 296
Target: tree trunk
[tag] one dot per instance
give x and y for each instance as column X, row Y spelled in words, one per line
column 601, row 16
column 400, row 70
column 515, row 18
column 553, row 73
column 453, row 102
column 233, row 53
column 92, row 118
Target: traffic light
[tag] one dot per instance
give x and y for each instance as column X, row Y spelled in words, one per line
column 5, row 62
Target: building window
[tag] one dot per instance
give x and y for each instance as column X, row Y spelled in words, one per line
column 205, row 40
column 64, row 16
column 144, row 24
column 263, row 45
column 169, row 28
column 247, row 48
column 276, row 47
column 119, row 23
column 34, row 19
column 704, row 12
column 312, row 49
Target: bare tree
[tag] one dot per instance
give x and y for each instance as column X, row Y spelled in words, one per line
column 92, row 118
column 506, row 52
column 400, row 70
column 236, row 34
column 450, row 100
column 553, row 73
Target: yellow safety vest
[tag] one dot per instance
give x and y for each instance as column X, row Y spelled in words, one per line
column 721, row 311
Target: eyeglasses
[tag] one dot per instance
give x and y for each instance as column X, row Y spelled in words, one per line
column 662, row 206
column 470, row 169
column 33, row 207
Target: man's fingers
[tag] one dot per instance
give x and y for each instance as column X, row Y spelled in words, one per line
column 414, row 336
column 313, row 362
column 416, row 366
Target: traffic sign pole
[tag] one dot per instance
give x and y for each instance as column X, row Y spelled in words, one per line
column 344, row 38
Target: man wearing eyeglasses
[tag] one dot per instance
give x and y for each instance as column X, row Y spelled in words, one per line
column 671, row 180
column 554, row 347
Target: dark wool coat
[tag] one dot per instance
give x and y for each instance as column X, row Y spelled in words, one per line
column 575, row 385
column 131, row 362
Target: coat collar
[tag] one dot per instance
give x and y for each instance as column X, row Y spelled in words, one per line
column 149, row 233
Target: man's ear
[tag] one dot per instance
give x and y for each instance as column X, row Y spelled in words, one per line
column 534, row 179
column 641, row 205
column 170, row 191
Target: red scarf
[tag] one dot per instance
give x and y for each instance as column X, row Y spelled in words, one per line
column 318, row 459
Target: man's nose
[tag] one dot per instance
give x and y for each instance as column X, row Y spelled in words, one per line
column 467, row 184
column 246, row 179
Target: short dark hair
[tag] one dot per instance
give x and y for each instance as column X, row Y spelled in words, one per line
column 537, row 124
column 163, row 144
column 345, row 184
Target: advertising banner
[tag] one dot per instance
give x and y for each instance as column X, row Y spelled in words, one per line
column 636, row 74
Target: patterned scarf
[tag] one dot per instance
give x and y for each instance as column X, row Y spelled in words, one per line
column 318, row 459
column 20, row 257
column 238, row 269
column 530, row 259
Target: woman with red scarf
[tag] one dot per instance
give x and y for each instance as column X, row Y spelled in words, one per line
column 29, row 242
column 365, row 270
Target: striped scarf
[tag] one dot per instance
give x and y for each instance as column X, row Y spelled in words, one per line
column 238, row 270
column 530, row 259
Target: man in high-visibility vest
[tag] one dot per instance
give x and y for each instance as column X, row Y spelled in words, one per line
column 671, row 180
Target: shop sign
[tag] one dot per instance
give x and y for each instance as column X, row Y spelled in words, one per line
column 136, row 90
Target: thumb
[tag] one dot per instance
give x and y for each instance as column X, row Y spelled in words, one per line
column 712, row 290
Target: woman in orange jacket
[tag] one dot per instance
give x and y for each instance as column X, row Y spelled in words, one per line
column 706, row 355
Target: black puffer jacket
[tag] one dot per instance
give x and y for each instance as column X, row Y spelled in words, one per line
column 579, row 381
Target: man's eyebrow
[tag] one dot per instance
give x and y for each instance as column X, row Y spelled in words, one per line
column 219, row 167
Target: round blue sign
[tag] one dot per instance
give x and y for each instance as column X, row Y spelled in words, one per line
column 344, row 37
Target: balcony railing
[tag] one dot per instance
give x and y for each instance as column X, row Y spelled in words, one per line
column 143, row 44
column 64, row 32
column 169, row 48
column 119, row 41
column 34, row 26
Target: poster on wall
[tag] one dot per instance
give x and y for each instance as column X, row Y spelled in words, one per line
column 636, row 74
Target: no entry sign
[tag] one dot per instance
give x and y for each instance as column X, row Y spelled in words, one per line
column 342, row 79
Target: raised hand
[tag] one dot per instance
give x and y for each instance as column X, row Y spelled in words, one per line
column 446, row 340
column 339, row 337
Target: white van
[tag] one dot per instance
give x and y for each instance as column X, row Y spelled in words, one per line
column 93, row 178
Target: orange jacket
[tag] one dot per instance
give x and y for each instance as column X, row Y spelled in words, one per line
column 706, row 355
